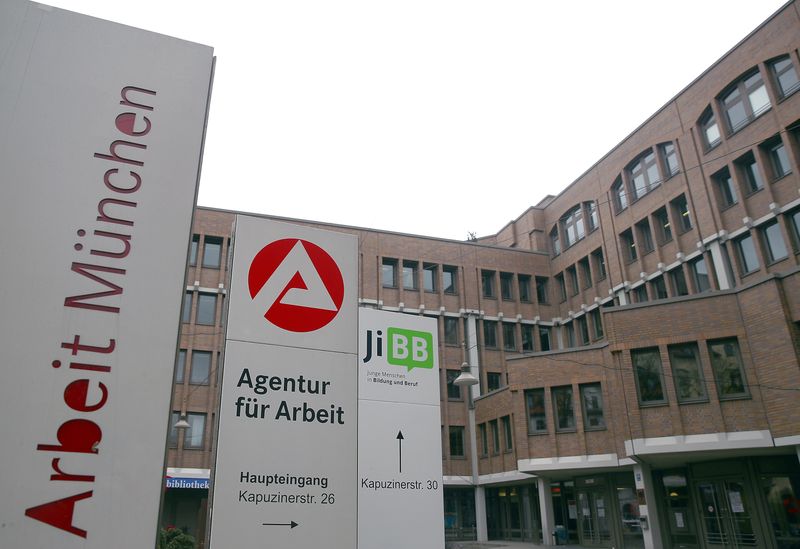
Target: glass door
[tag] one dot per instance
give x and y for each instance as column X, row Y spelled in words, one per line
column 726, row 514
column 594, row 517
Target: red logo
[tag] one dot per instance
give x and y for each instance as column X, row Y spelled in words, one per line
column 298, row 284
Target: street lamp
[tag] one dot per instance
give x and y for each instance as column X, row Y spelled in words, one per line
column 466, row 379
column 182, row 423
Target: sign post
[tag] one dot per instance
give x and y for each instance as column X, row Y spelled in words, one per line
column 286, row 452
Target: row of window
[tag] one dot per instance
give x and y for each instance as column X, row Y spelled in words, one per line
column 512, row 285
column 494, row 381
column 200, row 370
column 563, row 409
column 409, row 274
column 686, row 366
column 206, row 308
column 746, row 99
column 638, row 240
column 643, row 174
column 673, row 283
column 494, row 427
column 579, row 276
column 210, row 251
column 771, row 242
column 192, row 435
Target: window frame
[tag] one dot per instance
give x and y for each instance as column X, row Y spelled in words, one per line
column 588, row 411
column 699, row 378
column 725, row 187
column 747, row 166
column 628, row 245
column 430, row 276
column 697, row 275
column 507, row 286
column 572, row 226
column 542, row 290
column 528, row 339
column 490, row 334
column 191, row 417
column 452, row 272
column 410, row 267
column 488, row 289
column 524, row 286
column 186, row 307
column 196, row 354
column 508, row 436
column 769, row 243
column 776, row 74
column 681, row 208
column 180, row 367
column 509, row 336
column 215, row 242
column 746, row 251
column 456, row 438
column 541, row 417
column 667, row 152
column 664, row 226
column 453, row 322
column 641, row 170
column 741, row 92
column 657, row 374
column 201, row 297
column 568, row 408
column 600, row 263
column 453, row 392
column 739, row 364
column 389, row 267
column 708, row 128
column 619, row 195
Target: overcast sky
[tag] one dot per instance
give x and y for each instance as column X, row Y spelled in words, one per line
column 430, row 117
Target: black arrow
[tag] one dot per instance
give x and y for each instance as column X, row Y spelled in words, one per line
column 400, row 448
column 289, row 524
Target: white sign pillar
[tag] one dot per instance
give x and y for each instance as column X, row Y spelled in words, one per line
column 286, row 452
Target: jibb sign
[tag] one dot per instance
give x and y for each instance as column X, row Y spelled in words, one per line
column 100, row 143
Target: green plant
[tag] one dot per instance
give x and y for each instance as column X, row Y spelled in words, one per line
column 174, row 538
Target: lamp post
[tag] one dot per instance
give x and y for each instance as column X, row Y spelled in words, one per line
column 467, row 380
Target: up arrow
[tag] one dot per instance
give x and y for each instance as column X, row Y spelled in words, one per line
column 400, row 448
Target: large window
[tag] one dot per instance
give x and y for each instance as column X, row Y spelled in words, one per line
column 744, row 101
column 585, row 273
column 180, row 367
column 773, row 241
column 201, row 368
column 644, row 175
column 572, row 226
column 678, row 279
column 212, row 252
column 746, row 251
column 206, row 308
column 410, row 275
column 709, row 129
column 659, row 288
column 649, row 376
column 751, row 175
column 562, row 287
column 490, row 334
column 726, row 362
column 681, row 210
column 555, row 241
column 541, row 289
column 495, row 436
column 599, row 264
column 509, row 336
column 778, row 158
column 572, row 276
column 794, row 222
column 628, row 246
column 619, row 195
column 583, row 329
column 507, row 286
column 702, row 282
column 563, row 408
column 725, row 188
column 645, row 236
column 544, row 338
column 451, row 331
column 687, row 374
column 524, row 283
column 453, row 390
column 669, row 157
column 785, row 75
column 456, row 441
column 537, row 415
column 592, row 216
column 186, row 312
column 592, row 404
column 193, row 437
column 663, row 228
column 597, row 323
column 449, row 279
column 508, row 438
column 193, row 249
column 493, row 381
column 389, row 273
column 527, row 337
column 429, row 276
column 487, row 283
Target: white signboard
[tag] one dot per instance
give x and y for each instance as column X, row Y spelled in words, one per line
column 286, row 453
column 400, row 447
column 101, row 130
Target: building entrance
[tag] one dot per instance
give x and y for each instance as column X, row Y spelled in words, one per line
column 504, row 513
column 726, row 509
column 594, row 516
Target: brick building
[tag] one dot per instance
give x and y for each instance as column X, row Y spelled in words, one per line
column 636, row 337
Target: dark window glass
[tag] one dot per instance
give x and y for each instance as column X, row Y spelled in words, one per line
column 509, row 336
column 663, row 228
column 527, row 337
column 453, row 390
column 597, row 322
column 186, row 314
column 507, row 286
column 599, row 264
column 700, row 274
column 569, row 331
column 773, row 240
column 751, row 175
column 649, row 376
column 193, row 249
column 206, row 308
column 487, row 283
column 659, row 288
column 173, row 431
column 572, row 275
column 212, row 252
column 592, row 215
column 456, row 441
column 490, row 334
column 640, row 293
column 687, row 374
column 779, row 159
column 449, row 279
column 794, row 222
column 410, row 275
column 541, row 289
column 429, row 276
column 544, row 338
column 645, row 236
column 628, row 246
column 726, row 362
column 563, row 409
column 592, row 403
column 524, row 282
column 507, row 434
column 748, row 259
column 201, row 367
column 555, row 241
column 495, row 436
column 180, row 367
column 537, row 415
column 725, row 187
column 493, row 380
column 679, row 285
column 682, row 214
column 451, row 330
column 562, row 287
column 484, row 439
column 389, row 273
column 619, row 195
column 583, row 329
column 586, row 272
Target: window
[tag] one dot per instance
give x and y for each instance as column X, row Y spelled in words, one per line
column 537, row 417
column 599, row 264
column 562, row 287
column 490, row 334
column 453, row 390
column 484, row 439
column 487, row 283
column 180, row 367
column 541, row 288
column 779, row 160
column 572, row 275
column 785, row 76
column 597, row 323
column 509, row 336
column 583, row 329
column 527, row 337
column 794, row 222
column 628, row 246
column 429, row 272
column 193, row 249
column 725, row 187
column 746, row 250
column 212, row 252
column 687, row 375
column 193, row 437
column 569, row 331
column 449, row 279
column 410, row 275
column 555, row 241
column 773, row 241
column 456, row 441
column 173, row 431
column 649, row 376
column 201, row 368
column 645, row 236
column 751, row 175
column 681, row 209
column 544, row 338
column 659, row 288
column 186, row 313
column 389, row 273
column 572, row 226
column 206, row 308
column 663, row 229
column 644, row 175
column 744, row 101
column 507, row 435
column 700, row 274
column 592, row 404
column 679, row 286
column 726, row 362
column 709, row 129
column 591, row 215
column 619, row 196
column 640, row 293
column 495, row 436
column 451, row 330
column 507, row 286
column 524, row 283
column 563, row 412
column 669, row 157
column 493, row 381
column 586, row 272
